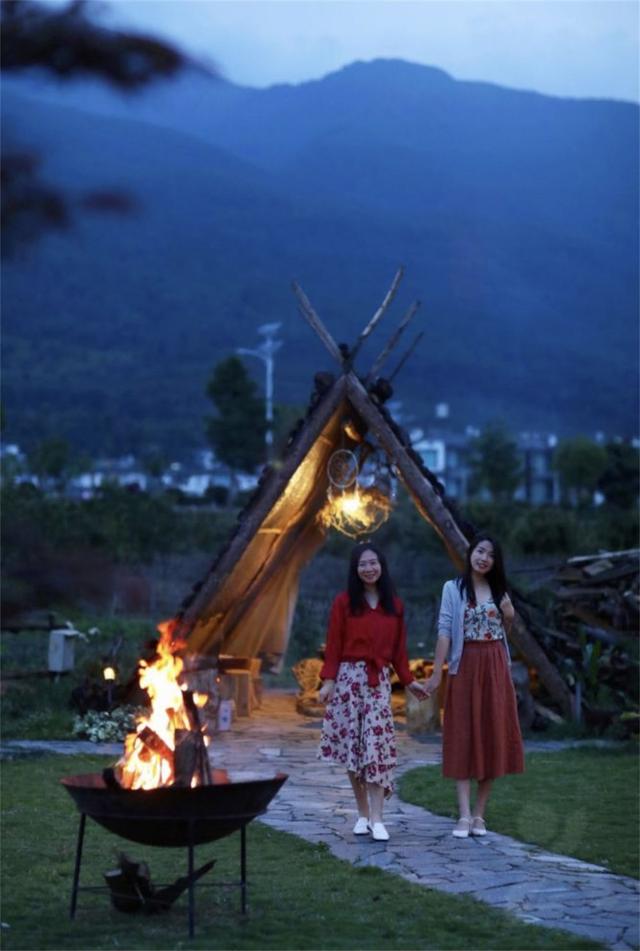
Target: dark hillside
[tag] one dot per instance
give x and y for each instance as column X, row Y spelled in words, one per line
column 515, row 215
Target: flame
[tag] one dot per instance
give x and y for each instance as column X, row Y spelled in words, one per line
column 148, row 753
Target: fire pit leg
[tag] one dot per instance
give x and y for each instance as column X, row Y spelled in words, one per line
column 76, row 873
column 243, row 869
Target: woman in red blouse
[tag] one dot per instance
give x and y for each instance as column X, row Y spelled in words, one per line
column 366, row 636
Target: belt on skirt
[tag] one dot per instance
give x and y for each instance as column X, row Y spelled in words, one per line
column 375, row 666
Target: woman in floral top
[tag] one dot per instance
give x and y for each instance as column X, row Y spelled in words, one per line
column 481, row 734
column 366, row 637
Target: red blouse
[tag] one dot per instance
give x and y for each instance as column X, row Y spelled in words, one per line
column 378, row 638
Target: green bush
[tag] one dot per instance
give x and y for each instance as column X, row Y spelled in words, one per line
column 105, row 726
column 495, row 517
column 544, row 531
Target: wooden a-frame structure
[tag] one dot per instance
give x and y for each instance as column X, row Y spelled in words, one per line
column 245, row 603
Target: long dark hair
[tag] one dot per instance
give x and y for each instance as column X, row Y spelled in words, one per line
column 496, row 578
column 355, row 585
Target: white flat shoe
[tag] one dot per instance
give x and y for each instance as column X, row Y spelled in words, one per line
column 478, row 826
column 461, row 829
column 362, row 826
column 379, row 832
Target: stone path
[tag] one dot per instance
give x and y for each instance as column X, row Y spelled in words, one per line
column 316, row 804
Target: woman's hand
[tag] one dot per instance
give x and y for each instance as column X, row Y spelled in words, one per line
column 508, row 611
column 432, row 684
column 417, row 689
column 326, row 691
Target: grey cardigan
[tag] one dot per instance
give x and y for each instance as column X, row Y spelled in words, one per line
column 451, row 624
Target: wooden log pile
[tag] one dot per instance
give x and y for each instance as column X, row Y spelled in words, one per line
column 132, row 890
column 586, row 618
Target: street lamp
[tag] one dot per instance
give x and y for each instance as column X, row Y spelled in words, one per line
column 265, row 352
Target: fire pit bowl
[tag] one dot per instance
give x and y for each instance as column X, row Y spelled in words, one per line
column 171, row 815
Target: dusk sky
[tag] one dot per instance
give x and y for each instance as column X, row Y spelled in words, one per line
column 576, row 48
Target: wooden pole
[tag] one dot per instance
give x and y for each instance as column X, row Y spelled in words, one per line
column 431, row 505
column 316, row 324
column 406, row 356
column 392, row 341
column 377, row 317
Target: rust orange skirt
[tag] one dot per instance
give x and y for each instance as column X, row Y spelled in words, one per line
column 481, row 733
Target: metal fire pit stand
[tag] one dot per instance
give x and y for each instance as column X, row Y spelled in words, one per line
column 192, row 824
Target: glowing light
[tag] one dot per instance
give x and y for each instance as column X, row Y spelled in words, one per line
column 109, row 673
column 354, row 512
column 351, row 503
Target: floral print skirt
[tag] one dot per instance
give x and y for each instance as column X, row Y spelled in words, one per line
column 357, row 730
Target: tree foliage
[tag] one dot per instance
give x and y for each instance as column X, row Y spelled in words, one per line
column 237, row 432
column 66, row 43
column 494, row 462
column 620, row 480
column 579, row 462
column 51, row 460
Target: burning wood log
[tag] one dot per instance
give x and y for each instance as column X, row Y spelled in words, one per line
column 190, row 759
column 202, row 768
column 155, row 744
column 186, row 757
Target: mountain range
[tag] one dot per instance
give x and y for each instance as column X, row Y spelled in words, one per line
column 514, row 214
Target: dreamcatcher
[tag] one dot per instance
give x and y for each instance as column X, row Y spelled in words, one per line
column 342, row 468
column 352, row 507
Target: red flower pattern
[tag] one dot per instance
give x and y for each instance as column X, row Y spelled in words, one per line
column 358, row 731
column 483, row 623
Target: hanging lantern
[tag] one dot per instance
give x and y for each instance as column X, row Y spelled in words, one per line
column 351, row 508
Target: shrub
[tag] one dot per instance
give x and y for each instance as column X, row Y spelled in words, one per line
column 106, row 726
column 544, row 531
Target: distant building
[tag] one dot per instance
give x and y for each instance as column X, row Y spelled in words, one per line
column 540, row 484
column 447, row 454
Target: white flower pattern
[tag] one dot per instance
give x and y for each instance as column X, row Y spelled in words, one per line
column 483, row 622
column 357, row 730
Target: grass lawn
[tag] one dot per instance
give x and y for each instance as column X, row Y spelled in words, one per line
column 35, row 708
column 299, row 895
column 580, row 802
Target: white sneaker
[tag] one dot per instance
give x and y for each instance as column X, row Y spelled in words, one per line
column 362, row 826
column 379, row 832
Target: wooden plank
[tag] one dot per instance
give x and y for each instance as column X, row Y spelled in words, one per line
column 627, row 553
column 613, row 574
column 580, row 593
